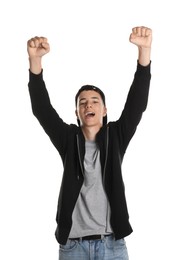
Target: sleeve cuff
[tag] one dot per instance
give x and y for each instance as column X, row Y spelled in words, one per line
column 144, row 70
column 35, row 77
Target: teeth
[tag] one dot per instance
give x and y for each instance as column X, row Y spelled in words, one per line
column 90, row 113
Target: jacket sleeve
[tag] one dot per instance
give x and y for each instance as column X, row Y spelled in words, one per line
column 42, row 109
column 135, row 105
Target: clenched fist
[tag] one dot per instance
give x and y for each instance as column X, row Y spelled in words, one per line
column 141, row 36
column 37, row 47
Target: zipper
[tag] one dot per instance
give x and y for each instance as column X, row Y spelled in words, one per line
column 106, row 158
column 80, row 161
column 104, row 173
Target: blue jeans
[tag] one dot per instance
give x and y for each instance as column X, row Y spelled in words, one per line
column 103, row 249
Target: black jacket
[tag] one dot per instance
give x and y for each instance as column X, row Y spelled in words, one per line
column 112, row 140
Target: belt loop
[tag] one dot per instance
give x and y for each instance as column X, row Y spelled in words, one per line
column 102, row 237
column 80, row 239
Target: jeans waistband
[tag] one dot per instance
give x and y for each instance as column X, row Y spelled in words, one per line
column 92, row 237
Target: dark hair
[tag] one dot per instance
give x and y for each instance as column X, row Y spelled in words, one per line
column 98, row 90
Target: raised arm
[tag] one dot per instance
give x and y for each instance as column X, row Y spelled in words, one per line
column 37, row 47
column 137, row 98
column 142, row 38
column 42, row 108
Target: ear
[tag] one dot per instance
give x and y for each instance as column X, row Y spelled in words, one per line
column 76, row 113
column 78, row 121
column 104, row 111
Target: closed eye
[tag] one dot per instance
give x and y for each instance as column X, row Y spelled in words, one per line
column 82, row 103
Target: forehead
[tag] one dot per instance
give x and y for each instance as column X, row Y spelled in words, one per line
column 86, row 94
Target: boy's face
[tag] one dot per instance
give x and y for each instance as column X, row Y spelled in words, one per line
column 90, row 108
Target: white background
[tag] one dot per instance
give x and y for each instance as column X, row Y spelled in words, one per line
column 89, row 45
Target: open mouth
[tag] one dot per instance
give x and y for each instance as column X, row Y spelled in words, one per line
column 90, row 114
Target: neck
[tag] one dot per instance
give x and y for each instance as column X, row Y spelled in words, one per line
column 90, row 133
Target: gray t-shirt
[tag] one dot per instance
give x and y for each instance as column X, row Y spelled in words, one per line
column 91, row 214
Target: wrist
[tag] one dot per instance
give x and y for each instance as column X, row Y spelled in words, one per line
column 35, row 64
column 144, row 55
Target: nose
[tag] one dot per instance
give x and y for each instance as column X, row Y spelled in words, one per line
column 88, row 104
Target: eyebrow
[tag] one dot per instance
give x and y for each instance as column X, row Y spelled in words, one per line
column 91, row 98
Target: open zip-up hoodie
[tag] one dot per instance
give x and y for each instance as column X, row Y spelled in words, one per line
column 112, row 139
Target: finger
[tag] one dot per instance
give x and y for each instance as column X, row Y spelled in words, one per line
column 45, row 45
column 143, row 31
column 134, row 30
column 31, row 43
column 42, row 39
column 36, row 41
column 148, row 31
column 139, row 31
